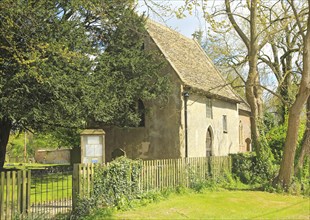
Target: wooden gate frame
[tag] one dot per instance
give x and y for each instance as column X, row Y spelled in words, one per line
column 15, row 189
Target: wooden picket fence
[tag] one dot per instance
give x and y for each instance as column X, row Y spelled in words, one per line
column 169, row 173
column 14, row 194
column 49, row 193
column 157, row 174
column 82, row 181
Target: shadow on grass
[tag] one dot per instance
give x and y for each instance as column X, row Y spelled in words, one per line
column 105, row 213
column 265, row 215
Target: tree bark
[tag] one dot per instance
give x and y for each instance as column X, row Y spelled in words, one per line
column 287, row 163
column 285, row 86
column 305, row 147
column 253, row 89
column 252, row 86
column 5, row 129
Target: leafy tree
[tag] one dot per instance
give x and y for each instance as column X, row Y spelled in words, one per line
column 276, row 138
column 287, row 163
column 63, row 63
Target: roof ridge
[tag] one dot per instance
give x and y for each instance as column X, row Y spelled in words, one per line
column 168, row 28
column 217, row 71
column 163, row 51
column 193, row 68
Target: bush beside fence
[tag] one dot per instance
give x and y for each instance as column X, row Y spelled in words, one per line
column 157, row 174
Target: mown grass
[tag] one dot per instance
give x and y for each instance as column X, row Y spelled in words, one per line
column 28, row 166
column 52, row 187
column 219, row 205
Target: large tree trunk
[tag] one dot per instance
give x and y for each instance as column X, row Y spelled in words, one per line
column 252, row 87
column 5, row 129
column 287, row 163
column 253, row 95
column 305, row 147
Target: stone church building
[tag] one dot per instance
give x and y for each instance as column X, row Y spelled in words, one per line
column 203, row 116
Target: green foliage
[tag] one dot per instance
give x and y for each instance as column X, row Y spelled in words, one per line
column 58, row 138
column 106, row 213
column 17, row 141
column 64, row 137
column 276, row 135
column 301, row 184
column 115, row 185
column 242, row 166
column 180, row 189
column 69, row 63
column 142, row 200
column 198, row 184
column 118, row 183
column 303, row 176
column 16, row 145
column 276, row 138
column 213, row 183
column 251, row 170
column 63, row 70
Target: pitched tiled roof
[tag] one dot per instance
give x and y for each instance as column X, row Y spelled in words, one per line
column 191, row 63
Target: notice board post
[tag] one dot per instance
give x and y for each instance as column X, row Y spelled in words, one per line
column 93, row 146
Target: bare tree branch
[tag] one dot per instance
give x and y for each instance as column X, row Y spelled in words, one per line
column 301, row 31
column 235, row 25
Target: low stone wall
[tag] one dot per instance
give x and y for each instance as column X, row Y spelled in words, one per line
column 58, row 156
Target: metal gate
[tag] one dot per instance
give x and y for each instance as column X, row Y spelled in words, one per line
column 51, row 192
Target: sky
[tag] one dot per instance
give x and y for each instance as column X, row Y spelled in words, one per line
column 186, row 26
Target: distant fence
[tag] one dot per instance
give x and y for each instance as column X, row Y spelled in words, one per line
column 19, row 159
column 158, row 174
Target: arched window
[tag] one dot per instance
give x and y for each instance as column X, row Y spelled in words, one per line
column 209, row 141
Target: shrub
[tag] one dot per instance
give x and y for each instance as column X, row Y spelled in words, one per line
column 251, row 170
column 118, row 183
column 115, row 185
column 302, row 177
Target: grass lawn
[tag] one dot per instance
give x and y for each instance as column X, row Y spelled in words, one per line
column 28, row 166
column 223, row 205
column 52, row 187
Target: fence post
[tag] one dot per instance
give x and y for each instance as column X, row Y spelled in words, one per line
column 24, row 193
column 75, row 185
column 28, row 191
column 2, row 195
